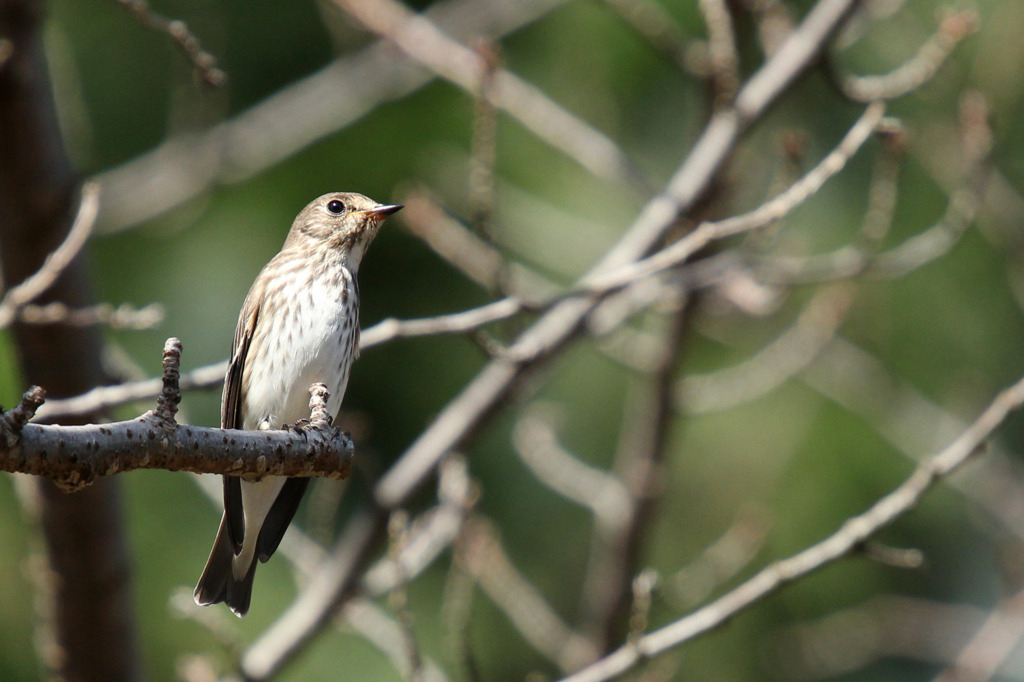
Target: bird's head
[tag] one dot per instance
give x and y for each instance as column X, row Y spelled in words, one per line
column 343, row 221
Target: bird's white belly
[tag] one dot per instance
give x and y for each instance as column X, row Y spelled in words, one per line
column 312, row 338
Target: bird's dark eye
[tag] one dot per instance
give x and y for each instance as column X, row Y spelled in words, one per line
column 336, row 207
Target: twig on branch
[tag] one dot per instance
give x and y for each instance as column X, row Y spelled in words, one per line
column 28, row 290
column 121, row 317
column 641, row 588
column 483, row 146
column 13, row 421
column 170, row 396
column 919, row 69
column 723, row 57
column 202, row 61
column 74, row 456
column 848, row 537
column 106, row 397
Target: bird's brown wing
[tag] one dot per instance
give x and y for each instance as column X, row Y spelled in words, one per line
column 231, row 414
column 232, row 399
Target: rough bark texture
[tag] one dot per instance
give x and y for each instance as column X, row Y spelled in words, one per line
column 91, row 578
column 77, row 456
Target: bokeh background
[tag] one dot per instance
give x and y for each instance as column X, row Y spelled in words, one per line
column 769, row 473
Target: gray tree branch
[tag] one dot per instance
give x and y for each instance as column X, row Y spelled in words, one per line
column 75, row 456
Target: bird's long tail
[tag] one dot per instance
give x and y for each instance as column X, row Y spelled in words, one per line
column 218, row 583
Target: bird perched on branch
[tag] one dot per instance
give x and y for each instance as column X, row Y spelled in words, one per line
column 299, row 325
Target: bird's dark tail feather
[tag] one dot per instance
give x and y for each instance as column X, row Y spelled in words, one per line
column 218, row 583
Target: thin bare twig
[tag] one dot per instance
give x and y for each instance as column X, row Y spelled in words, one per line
column 724, row 59
column 455, row 323
column 122, row 317
column 484, row 144
column 202, row 61
column 763, row 215
column 105, row 397
column 18, row 296
column 919, row 69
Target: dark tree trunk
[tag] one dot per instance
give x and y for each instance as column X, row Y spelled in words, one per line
column 91, row 579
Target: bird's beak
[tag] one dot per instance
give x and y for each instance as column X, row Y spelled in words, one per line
column 384, row 211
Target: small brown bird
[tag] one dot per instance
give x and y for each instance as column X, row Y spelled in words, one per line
column 298, row 325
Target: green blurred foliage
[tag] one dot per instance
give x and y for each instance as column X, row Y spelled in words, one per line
column 950, row 330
